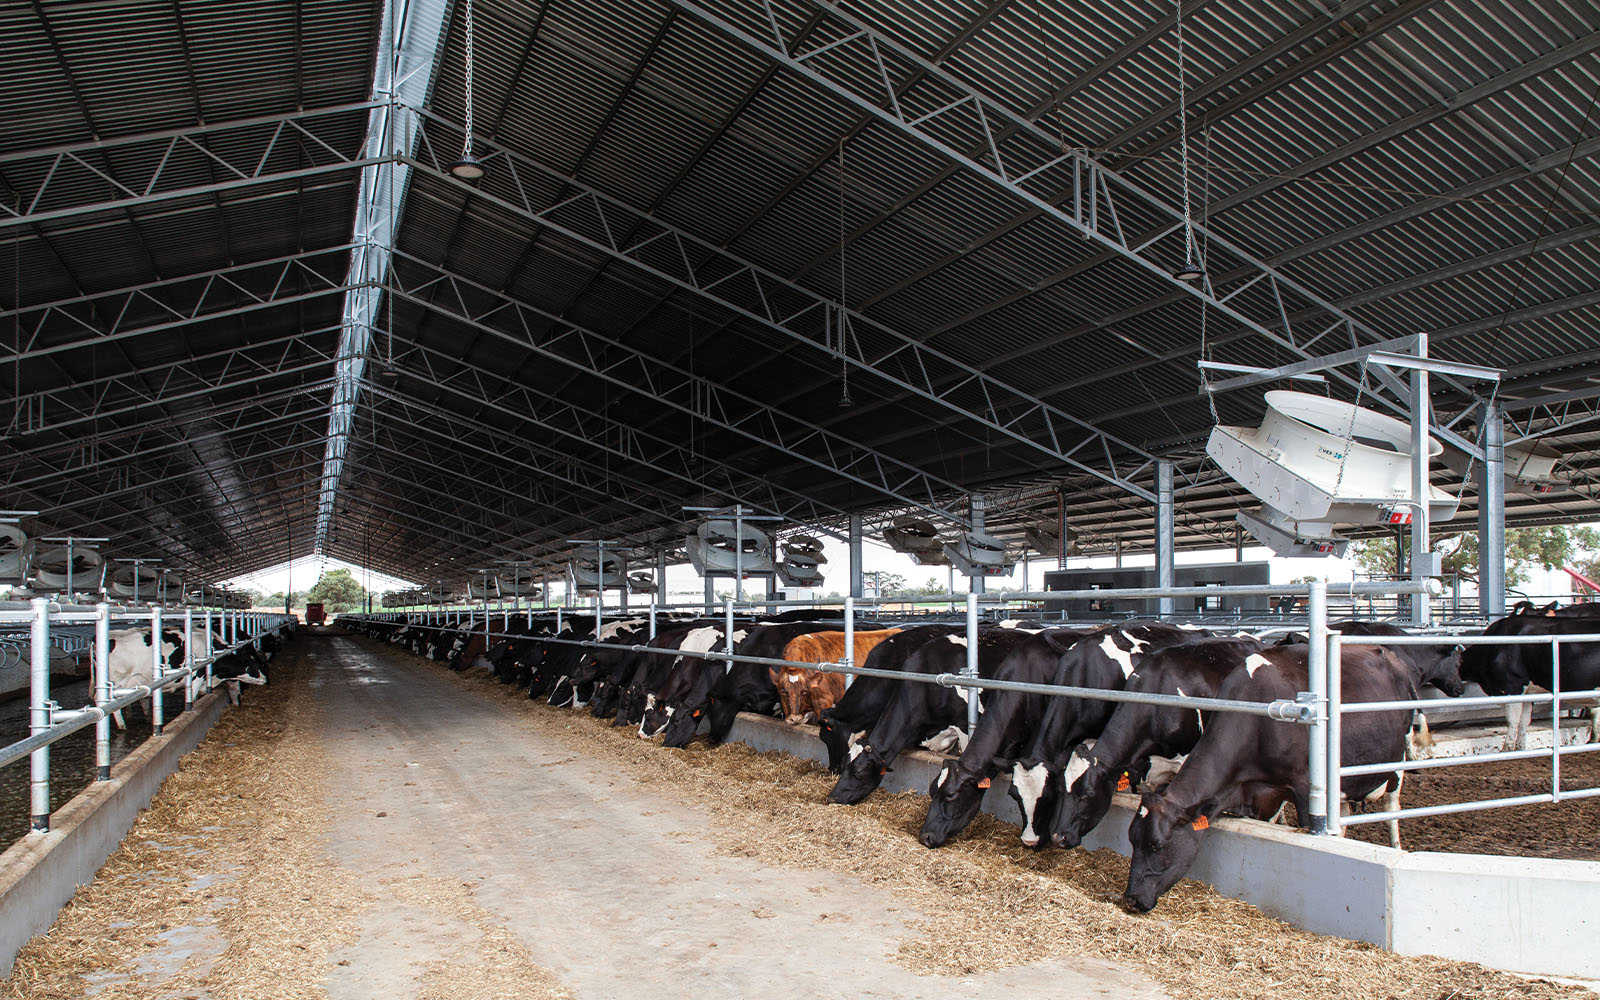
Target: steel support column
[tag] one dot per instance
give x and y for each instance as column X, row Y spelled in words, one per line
column 976, row 510
column 855, row 555
column 1492, row 516
column 1421, row 548
column 1165, row 545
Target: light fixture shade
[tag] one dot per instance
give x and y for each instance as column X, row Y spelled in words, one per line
column 388, row 371
column 468, row 168
column 1189, row 271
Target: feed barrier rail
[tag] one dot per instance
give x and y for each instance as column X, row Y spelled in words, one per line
column 49, row 723
column 1309, row 708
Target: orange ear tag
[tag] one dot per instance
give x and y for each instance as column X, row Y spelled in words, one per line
column 983, row 783
column 1201, row 823
column 1122, row 782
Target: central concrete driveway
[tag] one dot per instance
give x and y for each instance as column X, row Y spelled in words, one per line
column 476, row 834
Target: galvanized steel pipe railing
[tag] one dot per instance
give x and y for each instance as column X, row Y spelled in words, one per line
column 49, row 723
column 1336, row 770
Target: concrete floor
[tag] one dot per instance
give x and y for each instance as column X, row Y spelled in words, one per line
column 608, row 884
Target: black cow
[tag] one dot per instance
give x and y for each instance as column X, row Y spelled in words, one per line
column 1011, row 718
column 1249, row 765
column 1510, row 669
column 919, row 710
column 721, row 693
column 1084, row 780
column 866, row 698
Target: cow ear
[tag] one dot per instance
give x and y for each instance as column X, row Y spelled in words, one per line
column 1002, row 764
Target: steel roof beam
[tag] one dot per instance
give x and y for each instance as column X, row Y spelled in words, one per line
column 617, row 364
column 410, row 47
column 593, row 219
column 253, row 149
column 1037, row 169
column 666, row 458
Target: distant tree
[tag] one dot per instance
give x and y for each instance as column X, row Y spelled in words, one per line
column 338, row 591
column 1550, row 547
column 273, row 600
column 933, row 586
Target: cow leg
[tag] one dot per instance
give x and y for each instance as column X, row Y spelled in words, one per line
column 118, row 719
column 1419, row 742
column 1518, row 718
column 1391, row 802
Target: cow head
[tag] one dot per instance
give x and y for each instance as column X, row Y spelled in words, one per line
column 835, row 735
column 682, row 726
column 657, row 715
column 863, row 771
column 1086, row 789
column 244, row 665
column 1165, row 840
column 955, row 796
column 1036, row 789
column 1499, row 670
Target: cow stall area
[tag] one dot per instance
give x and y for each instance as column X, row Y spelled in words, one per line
column 542, row 852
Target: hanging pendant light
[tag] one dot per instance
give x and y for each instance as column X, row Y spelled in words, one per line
column 469, row 167
column 1191, row 269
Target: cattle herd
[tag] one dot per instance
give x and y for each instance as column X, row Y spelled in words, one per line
column 131, row 662
column 1065, row 757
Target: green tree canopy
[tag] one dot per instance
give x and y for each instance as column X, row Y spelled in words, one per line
column 338, row 591
column 1550, row 547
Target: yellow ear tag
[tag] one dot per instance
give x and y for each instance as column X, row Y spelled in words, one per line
column 1122, row 782
column 1201, row 823
column 983, row 783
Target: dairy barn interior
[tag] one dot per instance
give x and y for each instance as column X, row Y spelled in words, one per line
column 1097, row 314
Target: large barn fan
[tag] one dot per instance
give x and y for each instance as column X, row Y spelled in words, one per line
column 606, row 573
column 519, row 582
column 1530, row 468
column 722, row 547
column 482, row 588
column 16, row 551
column 1316, row 462
column 128, row 582
column 973, row 553
column 918, row 539
column 802, row 557
column 50, row 567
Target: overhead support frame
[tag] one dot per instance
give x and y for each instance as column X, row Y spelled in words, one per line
column 927, row 103
column 595, row 220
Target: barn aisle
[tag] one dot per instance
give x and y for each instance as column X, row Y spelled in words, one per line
column 479, row 836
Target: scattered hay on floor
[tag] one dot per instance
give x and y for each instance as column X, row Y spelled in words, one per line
column 246, row 809
column 986, row 901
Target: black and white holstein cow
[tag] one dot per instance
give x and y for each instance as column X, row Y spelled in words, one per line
column 131, row 663
column 849, row 719
column 1138, row 742
column 918, row 711
column 1512, row 669
column 1249, row 765
column 1010, row 720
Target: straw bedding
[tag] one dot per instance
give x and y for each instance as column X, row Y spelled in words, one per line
column 987, row 902
column 232, row 845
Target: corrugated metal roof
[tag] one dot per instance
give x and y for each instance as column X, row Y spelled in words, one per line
column 1405, row 159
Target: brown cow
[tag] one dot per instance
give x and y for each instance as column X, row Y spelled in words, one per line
column 806, row 694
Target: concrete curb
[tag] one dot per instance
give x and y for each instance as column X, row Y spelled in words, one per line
column 1530, row 915
column 40, row 873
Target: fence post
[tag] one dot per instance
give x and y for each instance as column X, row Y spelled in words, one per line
column 39, row 714
column 1335, row 668
column 971, row 669
column 849, row 658
column 1317, row 670
column 188, row 658
column 727, row 636
column 158, row 668
column 652, row 616
column 102, row 689
column 209, row 679
column 1555, row 719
